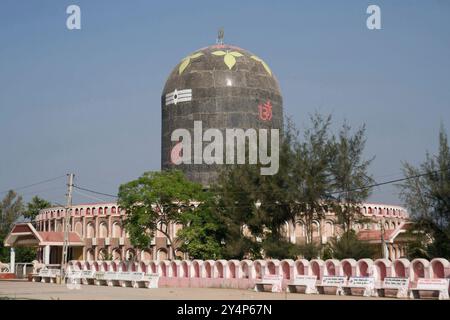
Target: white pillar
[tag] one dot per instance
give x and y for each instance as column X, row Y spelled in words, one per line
column 47, row 254
column 12, row 260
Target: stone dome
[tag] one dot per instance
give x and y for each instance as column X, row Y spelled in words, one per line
column 223, row 86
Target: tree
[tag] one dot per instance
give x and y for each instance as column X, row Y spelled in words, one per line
column 34, row 206
column 254, row 207
column 427, row 195
column 155, row 201
column 10, row 210
column 350, row 177
column 202, row 234
column 312, row 174
column 350, row 246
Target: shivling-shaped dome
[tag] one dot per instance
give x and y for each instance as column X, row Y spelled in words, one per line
column 222, row 86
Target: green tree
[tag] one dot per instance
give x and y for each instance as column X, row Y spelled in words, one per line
column 202, row 235
column 155, row 201
column 350, row 176
column 11, row 208
column 254, row 207
column 427, row 196
column 350, row 246
column 312, row 174
column 34, row 206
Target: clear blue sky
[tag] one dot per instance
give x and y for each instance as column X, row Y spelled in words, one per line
column 88, row 101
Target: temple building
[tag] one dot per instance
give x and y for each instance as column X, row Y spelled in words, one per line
column 97, row 233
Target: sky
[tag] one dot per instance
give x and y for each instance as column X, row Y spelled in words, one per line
column 88, row 101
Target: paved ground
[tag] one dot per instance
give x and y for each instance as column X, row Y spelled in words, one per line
column 33, row 290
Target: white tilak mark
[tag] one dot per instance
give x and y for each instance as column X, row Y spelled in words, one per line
column 178, row 96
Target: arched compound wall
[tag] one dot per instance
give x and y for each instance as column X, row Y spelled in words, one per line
column 287, row 269
column 87, row 265
column 348, row 267
column 384, row 269
column 365, row 268
column 440, row 268
column 317, row 268
column 302, row 267
column 402, row 268
column 420, row 269
column 332, row 267
column 121, row 266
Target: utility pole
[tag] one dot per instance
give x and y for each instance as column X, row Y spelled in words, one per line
column 383, row 249
column 67, row 225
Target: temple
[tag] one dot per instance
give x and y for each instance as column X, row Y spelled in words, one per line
column 97, row 233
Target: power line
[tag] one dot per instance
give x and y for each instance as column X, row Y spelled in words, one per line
column 332, row 193
column 33, row 184
column 96, row 192
column 89, row 196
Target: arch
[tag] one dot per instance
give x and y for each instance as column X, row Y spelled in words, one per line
column 102, row 254
column 90, row 256
column 103, row 230
column 420, row 269
column 302, row 267
column 122, row 266
column 90, row 230
column 299, row 229
column 116, row 230
column 246, row 267
column 273, row 267
column 315, row 229
column 329, row 229
column 317, row 268
column 143, row 267
column 401, row 268
column 287, row 269
column 440, row 268
column 174, row 268
column 87, row 265
column 233, row 269
column 208, row 268
column 384, row 268
column 196, row 268
column 332, row 267
column 259, row 268
column 79, row 228
column 184, row 269
column 161, row 254
column 116, row 254
column 365, row 268
column 95, row 265
column 152, row 267
column 220, row 269
column 163, row 267
column 130, row 254
column 146, row 255
column 348, row 267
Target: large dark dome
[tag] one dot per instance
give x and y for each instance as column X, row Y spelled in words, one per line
column 224, row 87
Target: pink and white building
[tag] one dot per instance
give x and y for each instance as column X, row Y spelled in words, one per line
column 97, row 233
